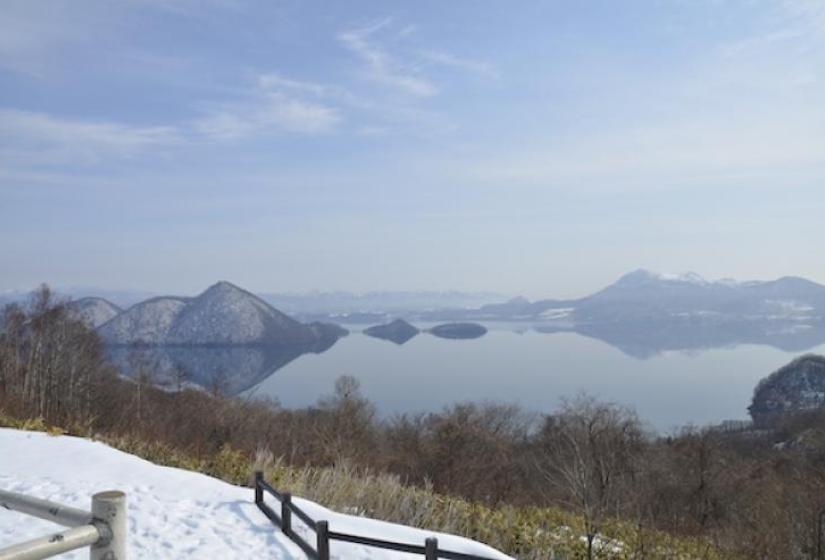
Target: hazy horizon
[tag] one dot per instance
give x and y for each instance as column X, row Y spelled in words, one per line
column 543, row 150
column 91, row 290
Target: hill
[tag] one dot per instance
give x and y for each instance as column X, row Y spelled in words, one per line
column 222, row 315
column 398, row 331
column 94, row 311
column 459, row 330
column 148, row 322
column 796, row 387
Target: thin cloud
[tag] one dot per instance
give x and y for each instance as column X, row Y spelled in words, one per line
column 655, row 157
column 383, row 67
column 272, row 80
column 377, row 117
column 808, row 12
column 31, row 139
column 271, row 112
column 39, row 137
column 442, row 58
column 274, row 104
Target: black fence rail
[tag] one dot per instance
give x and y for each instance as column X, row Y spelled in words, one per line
column 323, row 535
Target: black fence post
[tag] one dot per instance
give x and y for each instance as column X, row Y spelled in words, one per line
column 259, row 491
column 322, row 543
column 431, row 549
column 819, row 519
column 286, row 514
column 323, row 537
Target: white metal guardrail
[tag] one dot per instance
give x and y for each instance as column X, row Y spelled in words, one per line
column 103, row 528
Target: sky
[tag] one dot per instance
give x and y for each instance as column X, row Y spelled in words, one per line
column 527, row 148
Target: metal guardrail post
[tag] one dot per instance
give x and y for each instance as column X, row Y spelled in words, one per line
column 109, row 511
column 286, row 514
column 431, row 549
column 104, row 528
column 322, row 542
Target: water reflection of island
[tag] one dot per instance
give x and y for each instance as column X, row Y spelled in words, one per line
column 229, row 369
column 647, row 339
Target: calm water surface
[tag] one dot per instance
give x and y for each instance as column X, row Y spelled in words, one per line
column 535, row 370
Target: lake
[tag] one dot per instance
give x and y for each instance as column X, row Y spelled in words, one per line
column 667, row 388
column 671, row 377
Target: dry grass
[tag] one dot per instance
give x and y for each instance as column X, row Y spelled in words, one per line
column 527, row 533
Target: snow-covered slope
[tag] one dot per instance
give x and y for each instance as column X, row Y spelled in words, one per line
column 94, row 311
column 224, row 314
column 148, row 322
column 227, row 314
column 174, row 513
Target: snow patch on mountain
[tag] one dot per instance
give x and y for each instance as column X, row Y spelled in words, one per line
column 148, row 322
column 687, row 277
column 94, row 311
column 226, row 314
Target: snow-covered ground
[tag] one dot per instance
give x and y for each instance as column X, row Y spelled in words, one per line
column 174, row 513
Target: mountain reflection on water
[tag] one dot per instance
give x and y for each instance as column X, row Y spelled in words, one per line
column 645, row 340
column 235, row 369
column 229, row 369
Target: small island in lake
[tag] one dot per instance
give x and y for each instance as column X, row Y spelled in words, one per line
column 398, row 331
column 459, row 330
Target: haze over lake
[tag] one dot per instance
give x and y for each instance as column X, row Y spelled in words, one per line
column 535, row 370
column 679, row 349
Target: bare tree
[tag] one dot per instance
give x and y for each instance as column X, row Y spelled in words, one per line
column 589, row 455
column 346, row 425
column 51, row 363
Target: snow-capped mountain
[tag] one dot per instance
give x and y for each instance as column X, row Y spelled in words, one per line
column 222, row 315
column 94, row 311
column 645, row 295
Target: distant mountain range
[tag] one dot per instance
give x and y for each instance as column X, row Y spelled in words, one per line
column 642, row 313
column 638, row 296
column 644, row 296
column 118, row 298
column 377, row 304
column 365, row 308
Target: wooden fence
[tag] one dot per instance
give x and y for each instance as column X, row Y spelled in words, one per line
column 323, row 535
column 103, row 529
